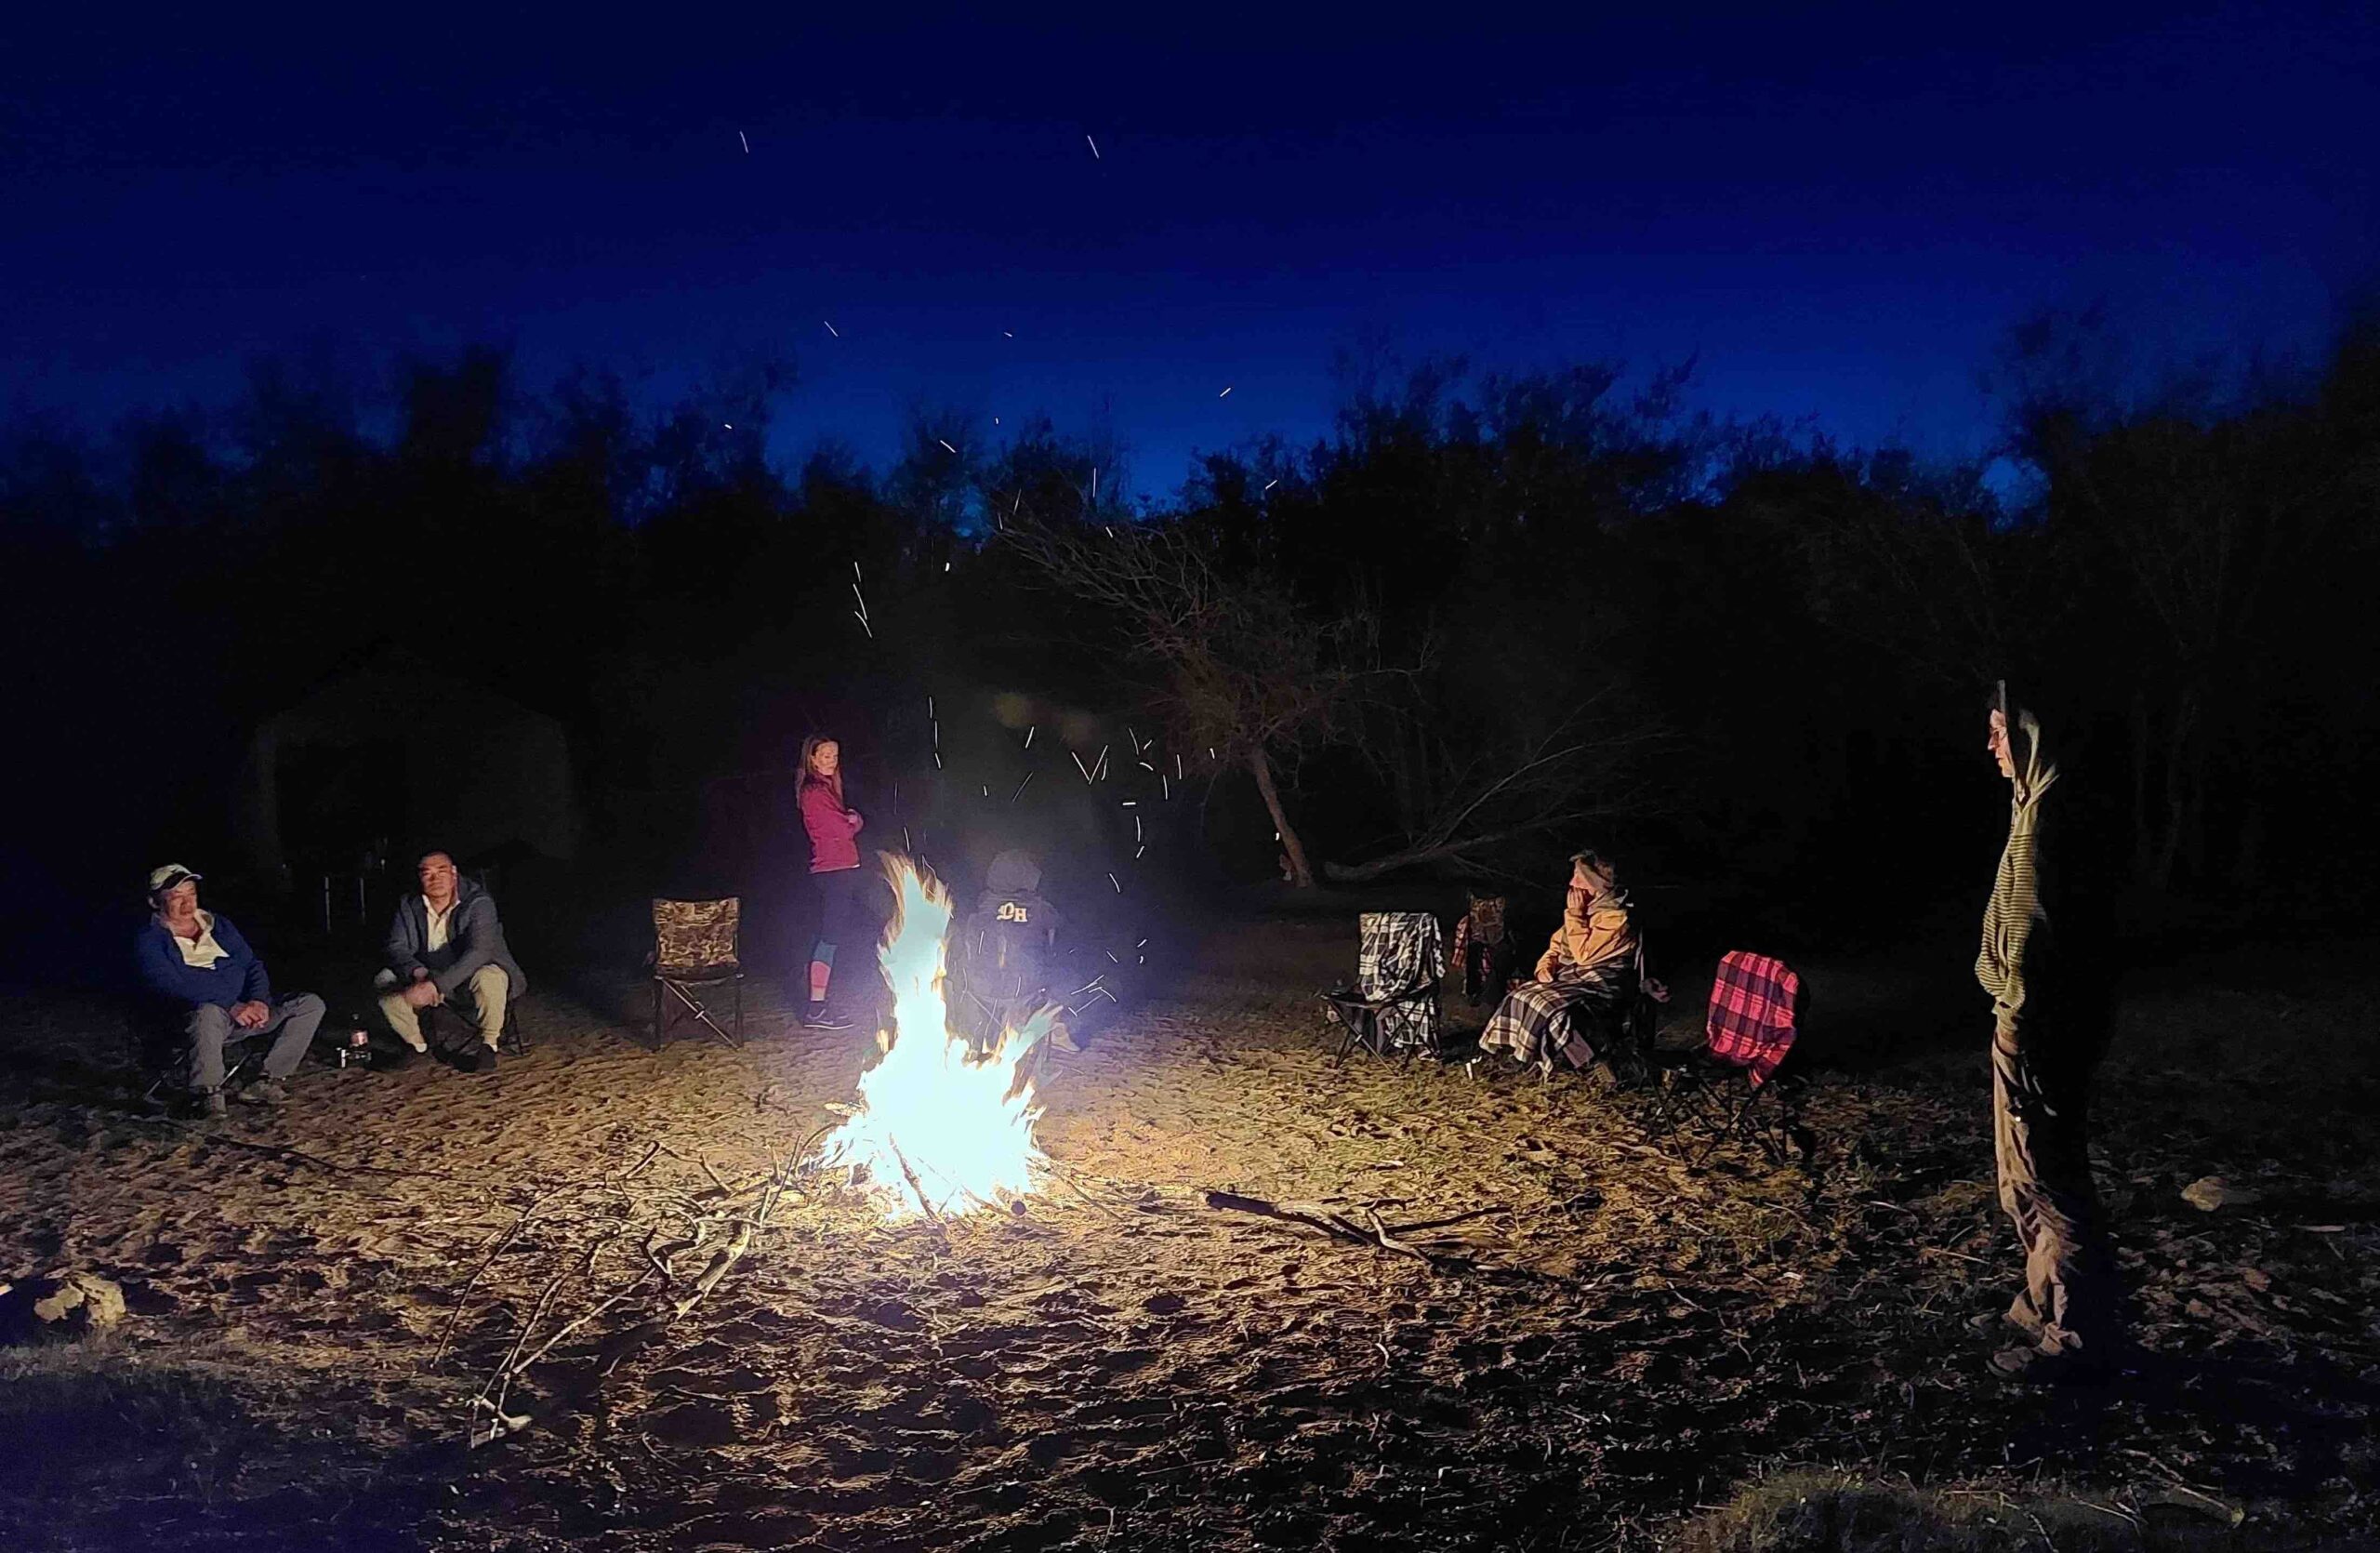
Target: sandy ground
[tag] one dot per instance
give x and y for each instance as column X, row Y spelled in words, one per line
column 1616, row 1335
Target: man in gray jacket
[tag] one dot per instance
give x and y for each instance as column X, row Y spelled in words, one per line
column 446, row 947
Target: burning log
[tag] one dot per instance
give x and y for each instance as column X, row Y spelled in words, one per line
column 932, row 1109
column 912, row 1175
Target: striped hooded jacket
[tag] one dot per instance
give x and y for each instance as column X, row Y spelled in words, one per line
column 2015, row 921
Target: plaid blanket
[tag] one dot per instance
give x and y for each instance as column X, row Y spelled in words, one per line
column 1539, row 1021
column 1401, row 952
column 1753, row 1004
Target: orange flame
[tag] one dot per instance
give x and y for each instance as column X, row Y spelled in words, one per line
column 937, row 1130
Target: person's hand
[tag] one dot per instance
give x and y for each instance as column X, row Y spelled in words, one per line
column 421, row 972
column 421, row 994
column 250, row 1014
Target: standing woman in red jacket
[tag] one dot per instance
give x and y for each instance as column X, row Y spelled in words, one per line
column 834, row 827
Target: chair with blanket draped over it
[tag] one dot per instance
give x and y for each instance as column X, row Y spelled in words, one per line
column 1393, row 1003
column 1730, row 1084
column 1482, row 951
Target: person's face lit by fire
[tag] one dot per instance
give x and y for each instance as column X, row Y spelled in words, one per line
column 2002, row 754
column 826, row 760
column 437, row 874
column 1584, row 887
column 179, row 907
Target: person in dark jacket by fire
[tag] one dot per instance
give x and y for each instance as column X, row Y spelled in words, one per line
column 2043, row 962
column 1006, row 951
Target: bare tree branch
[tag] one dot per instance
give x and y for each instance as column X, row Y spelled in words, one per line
column 1238, row 663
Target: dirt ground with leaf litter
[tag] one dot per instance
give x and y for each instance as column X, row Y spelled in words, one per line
column 1612, row 1336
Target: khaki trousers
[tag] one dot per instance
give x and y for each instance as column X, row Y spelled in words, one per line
column 481, row 1001
column 2041, row 1136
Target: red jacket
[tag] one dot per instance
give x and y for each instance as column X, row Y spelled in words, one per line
column 831, row 826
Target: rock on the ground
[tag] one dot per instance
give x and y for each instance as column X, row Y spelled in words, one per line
column 2210, row 1192
column 64, row 1304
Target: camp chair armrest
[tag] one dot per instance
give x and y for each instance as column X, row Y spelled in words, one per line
column 1349, row 997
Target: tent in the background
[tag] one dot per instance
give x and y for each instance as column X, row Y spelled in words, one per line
column 399, row 753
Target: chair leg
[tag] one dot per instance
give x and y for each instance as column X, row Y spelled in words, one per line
column 702, row 1015
column 1743, row 1121
column 1347, row 1036
column 1770, row 1120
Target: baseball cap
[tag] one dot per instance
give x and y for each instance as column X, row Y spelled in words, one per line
column 163, row 879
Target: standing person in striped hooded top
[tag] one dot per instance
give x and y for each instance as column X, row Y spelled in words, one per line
column 2038, row 963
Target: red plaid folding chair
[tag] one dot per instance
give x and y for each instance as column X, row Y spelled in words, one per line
column 1730, row 1085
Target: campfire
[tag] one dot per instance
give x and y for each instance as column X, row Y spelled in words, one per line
column 937, row 1130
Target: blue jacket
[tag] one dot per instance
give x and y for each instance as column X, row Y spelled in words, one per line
column 238, row 977
column 474, row 937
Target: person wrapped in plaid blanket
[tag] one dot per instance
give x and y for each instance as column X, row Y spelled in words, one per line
column 1584, row 984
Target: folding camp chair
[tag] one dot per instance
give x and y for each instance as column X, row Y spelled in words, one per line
column 515, row 1038
column 169, row 1070
column 1394, row 1002
column 1482, row 951
column 1631, row 1057
column 1605, row 1022
column 1730, row 1085
column 693, row 946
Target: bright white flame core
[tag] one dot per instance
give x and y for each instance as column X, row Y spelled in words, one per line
column 930, row 1121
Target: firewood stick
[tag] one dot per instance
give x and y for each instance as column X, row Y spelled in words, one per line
column 668, row 1278
column 727, row 1256
column 914, row 1186
column 1455, row 1219
column 1380, row 1232
column 651, row 1149
column 462, row 1301
column 1319, row 1217
column 568, row 1327
column 1329, row 1224
column 724, row 1259
column 504, row 1371
column 1066, row 1176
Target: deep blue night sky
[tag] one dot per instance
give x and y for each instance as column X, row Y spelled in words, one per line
column 1839, row 211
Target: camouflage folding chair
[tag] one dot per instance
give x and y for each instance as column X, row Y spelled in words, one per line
column 694, row 947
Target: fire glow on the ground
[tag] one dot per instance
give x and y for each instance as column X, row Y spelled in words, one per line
column 934, row 1126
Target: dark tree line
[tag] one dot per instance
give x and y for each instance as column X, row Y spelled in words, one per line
column 1487, row 617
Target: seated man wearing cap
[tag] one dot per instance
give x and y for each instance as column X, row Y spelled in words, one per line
column 201, row 972
column 446, row 948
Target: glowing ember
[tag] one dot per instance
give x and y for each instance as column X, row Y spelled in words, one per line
column 937, row 1130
